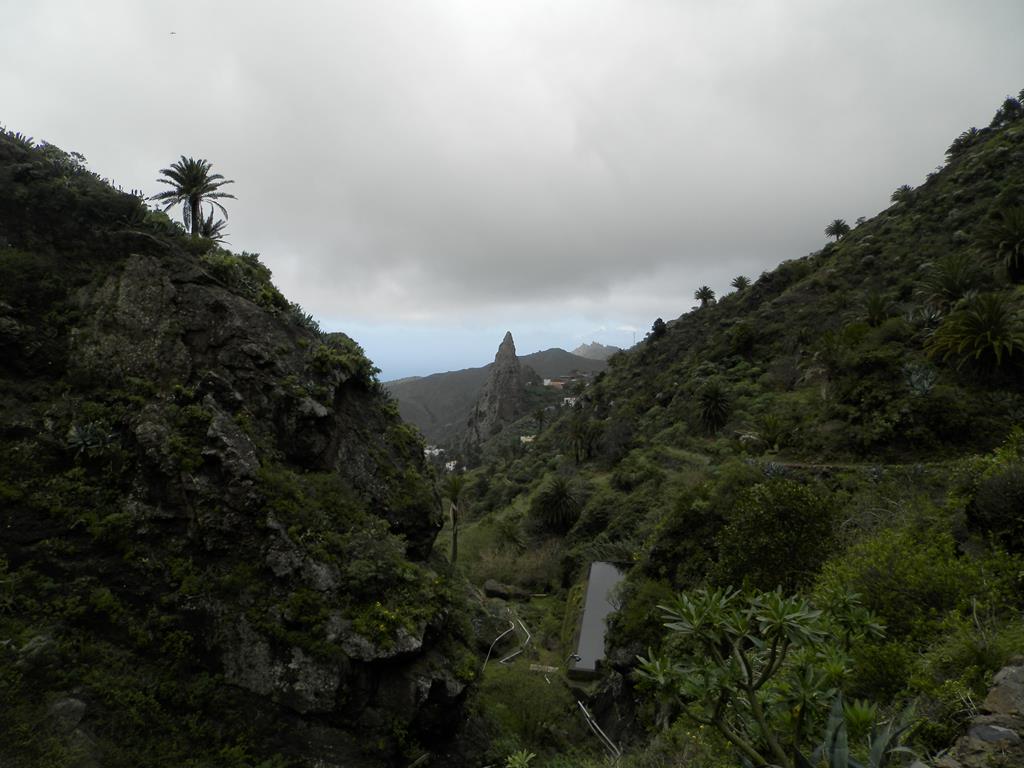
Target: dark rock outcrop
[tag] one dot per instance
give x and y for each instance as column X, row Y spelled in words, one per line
column 216, row 531
column 439, row 405
column 995, row 735
column 502, row 399
column 595, row 351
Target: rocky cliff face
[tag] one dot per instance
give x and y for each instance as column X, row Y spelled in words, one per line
column 216, row 531
column 995, row 735
column 502, row 398
column 595, row 351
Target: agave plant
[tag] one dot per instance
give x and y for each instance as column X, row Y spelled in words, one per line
column 834, row 750
column 84, row 439
column 520, row 759
column 920, row 378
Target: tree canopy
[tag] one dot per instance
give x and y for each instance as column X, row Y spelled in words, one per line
column 192, row 184
column 837, row 229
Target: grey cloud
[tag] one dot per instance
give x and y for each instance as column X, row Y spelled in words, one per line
column 437, row 159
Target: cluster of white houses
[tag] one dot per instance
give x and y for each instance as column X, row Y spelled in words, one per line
column 561, row 382
column 433, row 452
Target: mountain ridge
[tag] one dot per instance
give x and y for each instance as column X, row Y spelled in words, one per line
column 596, row 351
column 439, row 404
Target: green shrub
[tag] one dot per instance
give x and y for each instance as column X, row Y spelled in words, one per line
column 537, row 569
column 635, row 470
column 243, row 273
column 912, row 577
column 638, row 622
column 779, row 534
column 997, row 508
column 524, row 708
column 733, row 652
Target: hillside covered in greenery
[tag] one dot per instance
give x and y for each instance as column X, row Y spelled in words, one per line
column 220, row 543
column 215, row 531
column 845, row 428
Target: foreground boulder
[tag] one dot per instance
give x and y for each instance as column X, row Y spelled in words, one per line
column 996, row 735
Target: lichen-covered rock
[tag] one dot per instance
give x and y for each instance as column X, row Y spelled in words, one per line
column 65, row 714
column 289, row 676
column 996, row 735
column 502, row 399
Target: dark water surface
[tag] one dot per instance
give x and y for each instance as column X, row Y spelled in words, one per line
column 604, row 577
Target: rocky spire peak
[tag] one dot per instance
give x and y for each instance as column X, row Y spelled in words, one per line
column 507, row 349
column 502, row 398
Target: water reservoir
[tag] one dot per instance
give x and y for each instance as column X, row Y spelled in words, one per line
column 603, row 579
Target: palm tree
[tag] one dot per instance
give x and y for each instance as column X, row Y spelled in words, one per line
column 901, row 193
column 877, row 308
column 715, row 405
column 837, row 229
column 1003, row 236
column 986, row 330
column 192, row 184
column 962, row 142
column 453, row 487
column 949, row 279
column 213, row 230
column 740, row 283
column 556, row 506
column 538, row 416
column 704, row 295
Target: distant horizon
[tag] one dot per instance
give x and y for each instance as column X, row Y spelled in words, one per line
column 424, row 176
column 474, row 355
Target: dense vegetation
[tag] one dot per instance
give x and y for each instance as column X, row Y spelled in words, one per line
column 218, row 538
column 216, row 530
column 845, row 429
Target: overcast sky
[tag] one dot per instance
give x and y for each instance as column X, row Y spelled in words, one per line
column 425, row 175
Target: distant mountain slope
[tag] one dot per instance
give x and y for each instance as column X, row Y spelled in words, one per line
column 439, row 404
column 595, row 351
